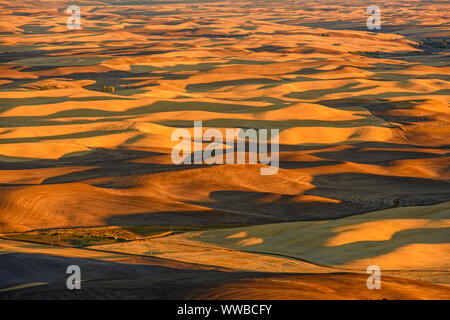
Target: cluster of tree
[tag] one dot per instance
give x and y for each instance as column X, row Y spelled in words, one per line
column 110, row 89
column 359, row 53
column 430, row 43
column 49, row 86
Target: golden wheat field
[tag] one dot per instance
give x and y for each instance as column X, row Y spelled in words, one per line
column 87, row 175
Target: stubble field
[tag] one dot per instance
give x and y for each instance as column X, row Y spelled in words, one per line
column 364, row 137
